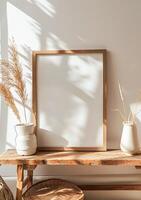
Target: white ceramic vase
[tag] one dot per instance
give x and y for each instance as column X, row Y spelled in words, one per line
column 129, row 139
column 26, row 142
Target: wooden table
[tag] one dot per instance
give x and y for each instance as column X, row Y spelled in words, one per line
column 29, row 163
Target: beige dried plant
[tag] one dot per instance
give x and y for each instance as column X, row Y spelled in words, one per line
column 12, row 80
column 6, row 93
column 124, row 115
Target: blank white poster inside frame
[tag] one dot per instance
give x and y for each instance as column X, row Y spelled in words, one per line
column 69, row 99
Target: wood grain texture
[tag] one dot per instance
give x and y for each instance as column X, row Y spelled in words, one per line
column 111, row 187
column 72, row 51
column 30, row 178
column 20, row 181
column 111, row 157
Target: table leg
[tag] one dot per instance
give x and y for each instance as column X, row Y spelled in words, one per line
column 20, row 178
column 30, row 178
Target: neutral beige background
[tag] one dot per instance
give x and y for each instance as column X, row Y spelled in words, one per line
column 79, row 24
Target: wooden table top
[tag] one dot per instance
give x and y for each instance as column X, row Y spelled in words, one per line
column 110, row 157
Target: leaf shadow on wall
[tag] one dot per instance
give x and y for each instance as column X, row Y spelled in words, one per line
column 66, row 108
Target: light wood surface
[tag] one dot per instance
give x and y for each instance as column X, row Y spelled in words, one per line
column 111, row 157
column 20, row 178
column 125, row 186
column 29, row 163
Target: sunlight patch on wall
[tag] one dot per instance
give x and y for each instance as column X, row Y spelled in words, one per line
column 22, row 27
column 46, row 7
column 54, row 42
column 85, row 78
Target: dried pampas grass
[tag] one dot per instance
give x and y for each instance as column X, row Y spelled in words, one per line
column 12, row 80
column 124, row 115
column 6, row 93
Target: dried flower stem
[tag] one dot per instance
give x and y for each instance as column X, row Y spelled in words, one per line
column 12, row 80
column 123, row 115
column 5, row 92
column 120, row 113
column 129, row 116
column 18, row 76
column 122, row 99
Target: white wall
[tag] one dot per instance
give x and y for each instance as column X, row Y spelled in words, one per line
column 79, row 24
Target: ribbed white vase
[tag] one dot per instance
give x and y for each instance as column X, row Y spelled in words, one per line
column 129, row 139
column 26, row 142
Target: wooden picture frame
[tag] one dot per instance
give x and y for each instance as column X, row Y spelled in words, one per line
column 53, row 91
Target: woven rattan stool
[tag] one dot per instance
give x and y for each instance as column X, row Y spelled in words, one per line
column 5, row 192
column 53, row 189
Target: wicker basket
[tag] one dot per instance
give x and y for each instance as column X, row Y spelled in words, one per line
column 5, row 193
column 53, row 189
